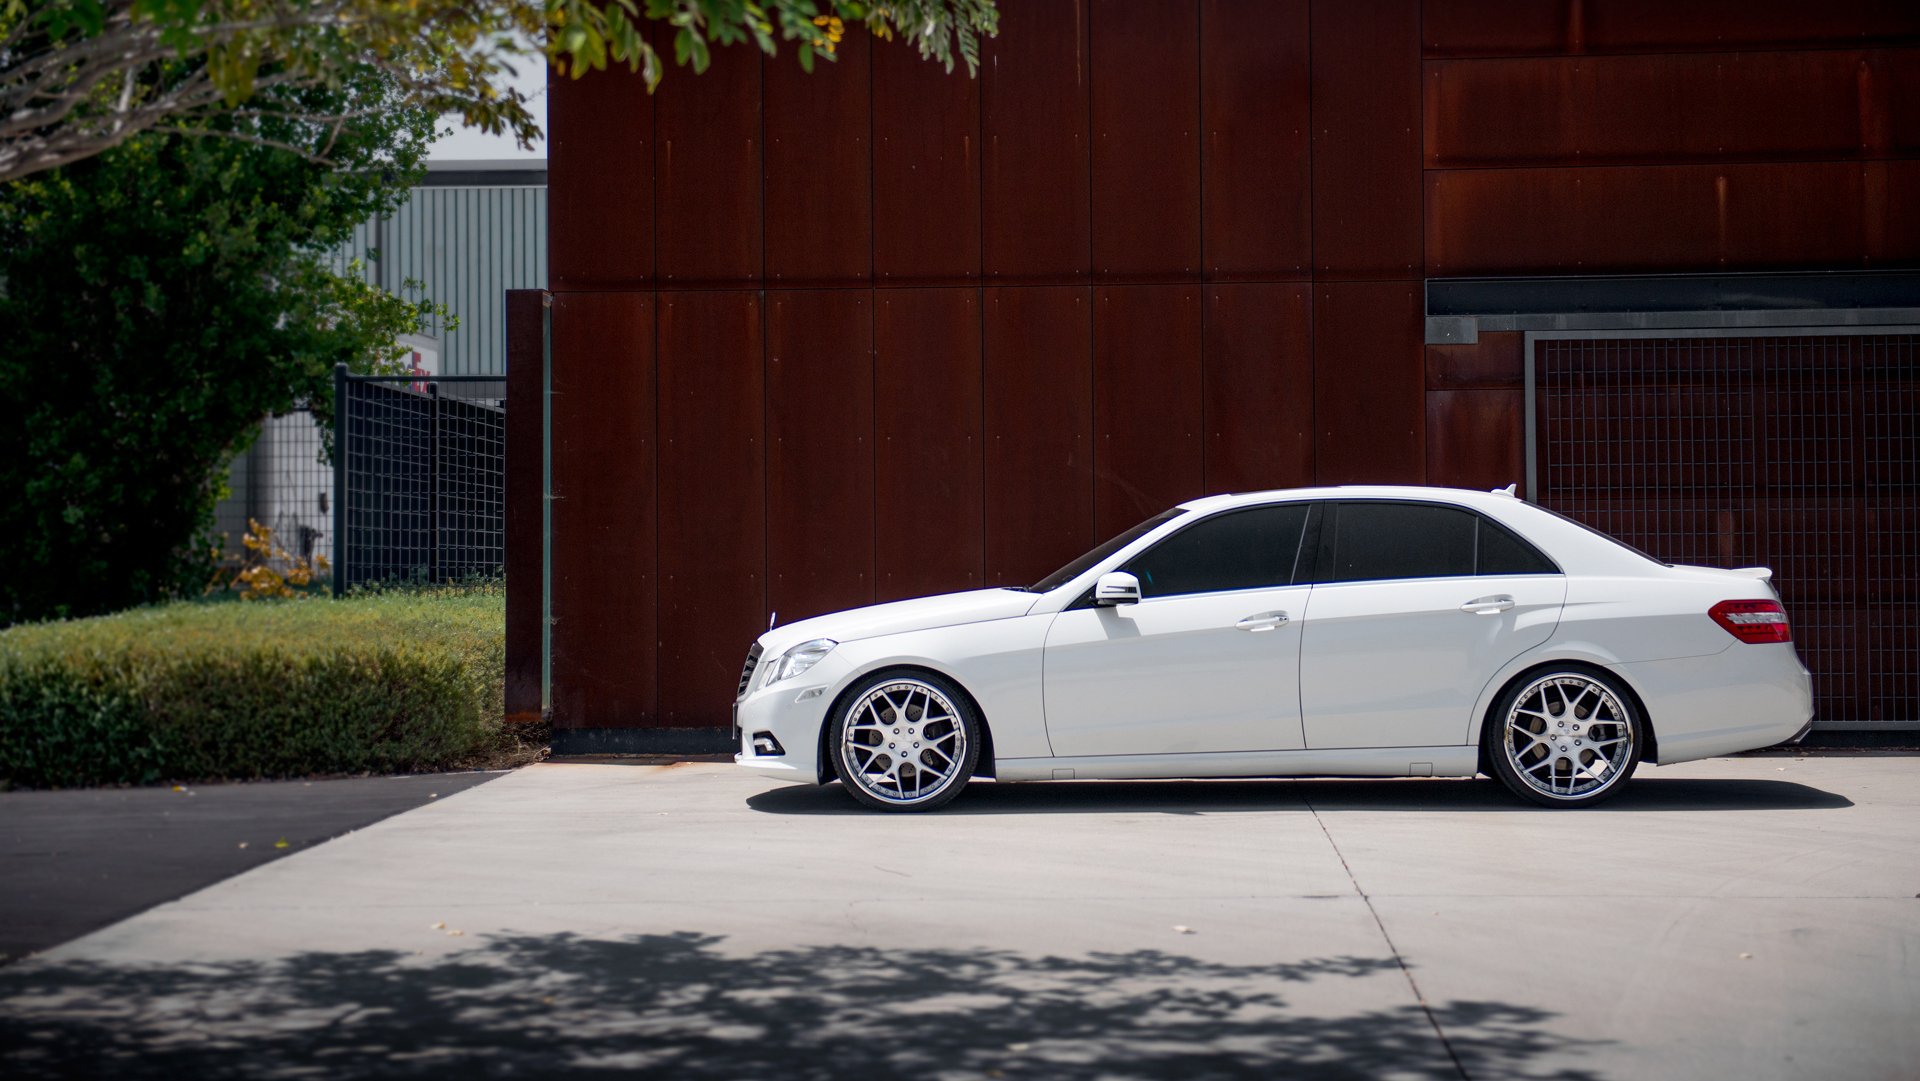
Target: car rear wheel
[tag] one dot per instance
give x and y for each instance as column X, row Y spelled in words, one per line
column 1564, row 738
column 907, row 741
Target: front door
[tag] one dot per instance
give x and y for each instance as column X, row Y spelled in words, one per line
column 1206, row 662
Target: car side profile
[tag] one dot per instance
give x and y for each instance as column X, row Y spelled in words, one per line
column 1353, row 631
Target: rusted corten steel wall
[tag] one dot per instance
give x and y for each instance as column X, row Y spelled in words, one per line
column 1641, row 136
column 819, row 341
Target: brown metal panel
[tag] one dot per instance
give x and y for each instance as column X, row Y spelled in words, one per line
column 1146, row 140
column 1893, row 99
column 1893, row 213
column 1517, row 27
column 1644, row 25
column 1646, row 218
column 604, row 510
column 1368, row 407
column 819, row 451
column 1256, row 213
column 1258, row 384
column 1476, row 438
column 1038, row 355
column 1616, row 109
column 707, row 171
column 1366, row 138
column 713, row 534
column 818, row 197
column 1494, row 27
column 926, row 170
column 525, row 497
column 599, row 181
column 1146, row 402
column 1034, row 102
column 1498, row 360
column 927, row 430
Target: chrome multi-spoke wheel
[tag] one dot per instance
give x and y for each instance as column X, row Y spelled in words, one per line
column 907, row 742
column 1565, row 738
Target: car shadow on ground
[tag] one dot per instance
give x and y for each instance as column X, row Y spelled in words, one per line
column 683, row 1006
column 1643, row 793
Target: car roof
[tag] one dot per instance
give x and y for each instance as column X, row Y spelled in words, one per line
column 1419, row 492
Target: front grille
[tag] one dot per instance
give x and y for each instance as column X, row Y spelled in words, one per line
column 746, row 674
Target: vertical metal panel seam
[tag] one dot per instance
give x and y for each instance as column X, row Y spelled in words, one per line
column 1313, row 280
column 653, row 299
column 1093, row 344
column 1200, row 212
column 980, row 342
column 1419, row 52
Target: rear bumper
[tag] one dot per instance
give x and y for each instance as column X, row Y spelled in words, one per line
column 1742, row 699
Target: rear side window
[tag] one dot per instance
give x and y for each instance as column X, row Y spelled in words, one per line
column 1503, row 552
column 1255, row 548
column 1373, row 541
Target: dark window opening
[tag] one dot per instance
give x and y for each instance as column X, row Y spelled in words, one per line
column 1253, row 548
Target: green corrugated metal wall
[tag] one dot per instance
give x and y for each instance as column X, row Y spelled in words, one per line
column 467, row 246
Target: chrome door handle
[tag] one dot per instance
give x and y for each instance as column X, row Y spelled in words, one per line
column 1264, row 621
column 1488, row 606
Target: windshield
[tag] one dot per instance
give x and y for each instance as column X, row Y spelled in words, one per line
column 1079, row 566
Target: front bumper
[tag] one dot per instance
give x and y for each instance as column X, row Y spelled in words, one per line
column 792, row 712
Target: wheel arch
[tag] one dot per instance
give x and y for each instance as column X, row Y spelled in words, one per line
column 828, row 769
column 1648, row 731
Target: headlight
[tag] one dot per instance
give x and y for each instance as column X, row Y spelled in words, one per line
column 797, row 660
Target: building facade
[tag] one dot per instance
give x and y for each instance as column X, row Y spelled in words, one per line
column 819, row 341
column 469, row 232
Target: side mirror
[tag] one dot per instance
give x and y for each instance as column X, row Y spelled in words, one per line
column 1117, row 587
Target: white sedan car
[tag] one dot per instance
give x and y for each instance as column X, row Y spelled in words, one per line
column 1352, row 632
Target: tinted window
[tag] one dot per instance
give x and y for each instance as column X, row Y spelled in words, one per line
column 1079, row 566
column 1501, row 552
column 1401, row 540
column 1243, row 549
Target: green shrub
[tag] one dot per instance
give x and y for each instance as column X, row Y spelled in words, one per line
column 380, row 683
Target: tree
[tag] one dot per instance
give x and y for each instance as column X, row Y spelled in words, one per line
column 81, row 76
column 159, row 299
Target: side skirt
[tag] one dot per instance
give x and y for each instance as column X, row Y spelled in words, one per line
column 1348, row 762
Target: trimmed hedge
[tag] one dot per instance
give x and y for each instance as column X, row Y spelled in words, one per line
column 380, row 683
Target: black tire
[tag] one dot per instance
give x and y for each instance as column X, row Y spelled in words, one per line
column 890, row 756
column 1565, row 736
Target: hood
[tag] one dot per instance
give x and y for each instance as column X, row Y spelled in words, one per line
column 919, row 614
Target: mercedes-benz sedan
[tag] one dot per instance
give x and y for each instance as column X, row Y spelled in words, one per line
column 1356, row 632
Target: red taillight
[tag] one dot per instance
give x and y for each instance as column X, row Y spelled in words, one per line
column 1754, row 622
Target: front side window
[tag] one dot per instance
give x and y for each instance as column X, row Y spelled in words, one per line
column 1374, row 541
column 1255, row 548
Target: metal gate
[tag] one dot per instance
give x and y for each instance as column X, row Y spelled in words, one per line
column 1799, row 451
column 420, row 477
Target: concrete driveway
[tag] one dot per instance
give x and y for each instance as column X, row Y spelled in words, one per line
column 1748, row 918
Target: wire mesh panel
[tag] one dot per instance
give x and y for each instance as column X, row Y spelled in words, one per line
column 422, row 478
column 1798, row 453
column 285, row 483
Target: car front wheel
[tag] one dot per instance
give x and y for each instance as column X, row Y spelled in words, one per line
column 906, row 741
column 1564, row 738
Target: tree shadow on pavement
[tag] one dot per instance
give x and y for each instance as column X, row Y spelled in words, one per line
column 1409, row 794
column 681, row 1006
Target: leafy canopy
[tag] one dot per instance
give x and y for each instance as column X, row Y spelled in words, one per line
column 156, row 301
column 80, row 76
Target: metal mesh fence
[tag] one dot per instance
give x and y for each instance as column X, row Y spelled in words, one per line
column 285, row 483
column 421, row 469
column 1801, row 453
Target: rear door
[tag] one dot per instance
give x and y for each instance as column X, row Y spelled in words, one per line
column 1415, row 607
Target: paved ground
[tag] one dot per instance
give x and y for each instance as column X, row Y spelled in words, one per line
column 75, row 861
column 1752, row 918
